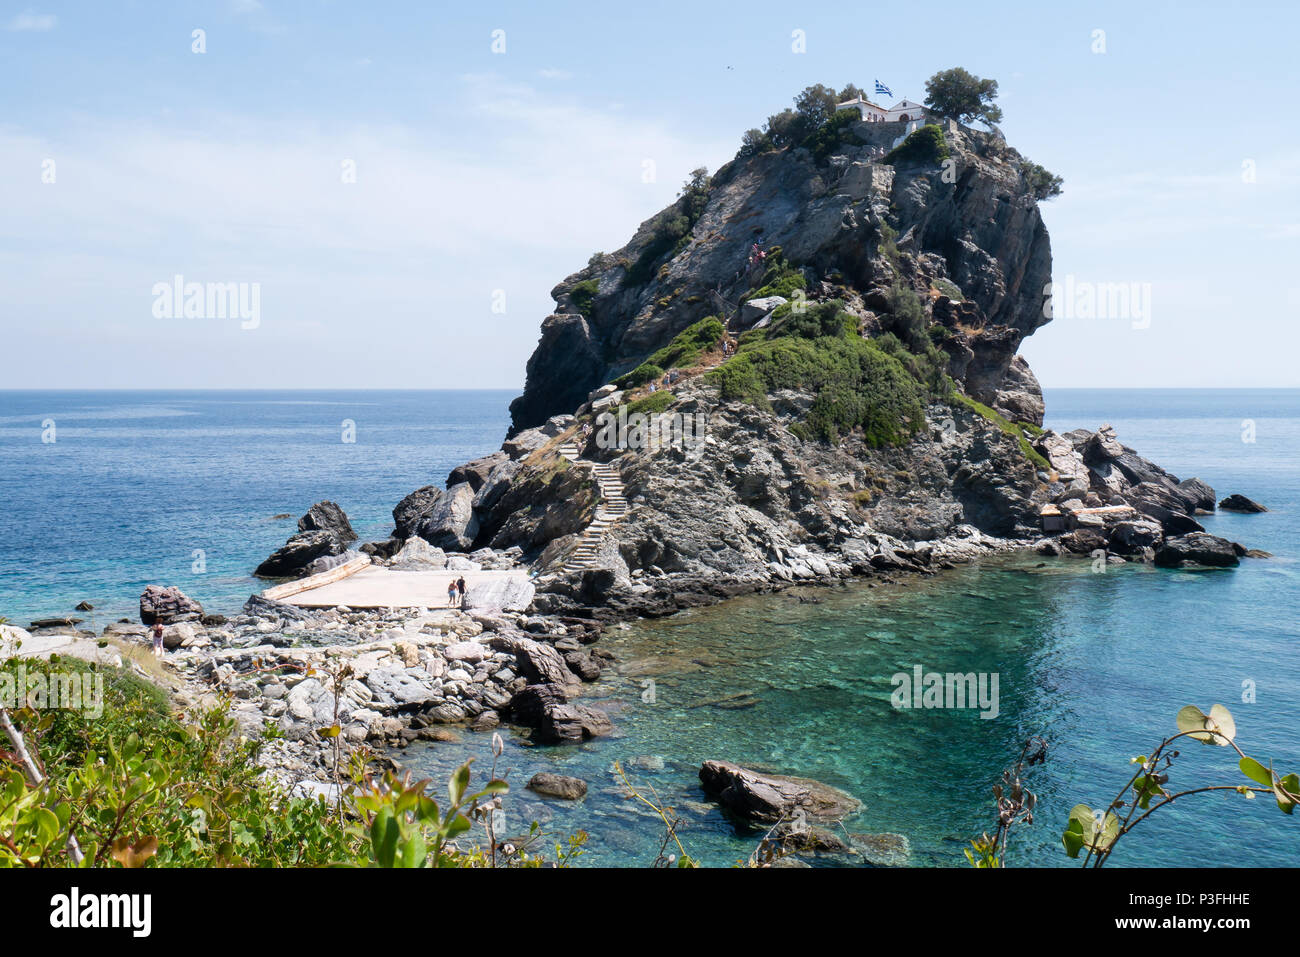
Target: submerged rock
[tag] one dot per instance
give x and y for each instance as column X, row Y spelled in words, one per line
column 771, row 797
column 1239, row 503
column 558, row 786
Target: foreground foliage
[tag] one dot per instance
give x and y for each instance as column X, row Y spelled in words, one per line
column 1097, row 832
column 138, row 786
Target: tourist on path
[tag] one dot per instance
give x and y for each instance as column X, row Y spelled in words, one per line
column 460, row 587
column 451, row 593
column 157, row 639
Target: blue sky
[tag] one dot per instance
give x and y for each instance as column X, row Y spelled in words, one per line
column 487, row 177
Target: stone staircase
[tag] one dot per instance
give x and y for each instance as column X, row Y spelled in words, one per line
column 613, row 506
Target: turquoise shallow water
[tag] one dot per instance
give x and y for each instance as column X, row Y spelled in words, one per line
column 1097, row 663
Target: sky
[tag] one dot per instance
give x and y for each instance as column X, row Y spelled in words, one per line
column 403, row 183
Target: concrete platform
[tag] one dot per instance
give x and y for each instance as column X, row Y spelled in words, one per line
column 376, row 587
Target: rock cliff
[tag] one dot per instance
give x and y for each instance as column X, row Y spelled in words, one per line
column 805, row 368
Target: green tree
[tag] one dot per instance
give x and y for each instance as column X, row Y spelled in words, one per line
column 1041, row 182
column 959, row 94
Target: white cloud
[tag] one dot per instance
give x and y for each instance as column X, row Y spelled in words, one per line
column 505, row 188
column 33, row 22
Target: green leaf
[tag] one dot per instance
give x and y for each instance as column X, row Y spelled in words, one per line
column 384, row 834
column 1256, row 772
column 457, row 784
column 414, row 851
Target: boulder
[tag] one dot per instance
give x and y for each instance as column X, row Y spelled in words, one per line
column 477, row 471
column 558, row 786
column 1200, row 494
column 312, row 703
column 259, row 607
column 451, row 523
column 410, row 511
column 1131, row 537
column 325, row 563
column 558, row 424
column 418, row 555
column 539, row 663
column 1239, row 503
column 496, row 485
column 470, row 652
column 525, row 443
column 546, row 709
column 167, row 605
column 771, row 797
column 328, row 517
column 398, row 688
column 292, row 558
column 1197, row 548
column 755, row 309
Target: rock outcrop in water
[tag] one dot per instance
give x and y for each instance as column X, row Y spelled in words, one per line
column 840, row 326
column 320, row 543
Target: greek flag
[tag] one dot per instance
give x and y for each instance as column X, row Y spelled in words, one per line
column 881, row 88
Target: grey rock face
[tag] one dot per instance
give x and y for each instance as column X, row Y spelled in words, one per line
column 1239, row 503
column 293, row 557
column 410, row 511
column 476, row 472
column 1197, row 548
column 328, row 517
column 418, row 555
column 984, row 234
column 451, row 522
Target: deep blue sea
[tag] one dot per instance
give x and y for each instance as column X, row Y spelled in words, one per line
column 1098, row 663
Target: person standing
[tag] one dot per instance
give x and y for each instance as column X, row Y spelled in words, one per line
column 451, row 593
column 157, row 639
column 460, row 587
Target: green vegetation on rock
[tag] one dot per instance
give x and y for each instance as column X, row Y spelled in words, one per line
column 583, row 294
column 923, row 147
column 686, row 348
column 671, row 229
column 959, row 94
column 652, row 403
column 1014, row 429
column 856, row 384
column 1041, row 182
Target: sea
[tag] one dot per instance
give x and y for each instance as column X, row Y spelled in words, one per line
column 102, row 493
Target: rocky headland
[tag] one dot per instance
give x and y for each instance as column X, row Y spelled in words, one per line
column 803, row 371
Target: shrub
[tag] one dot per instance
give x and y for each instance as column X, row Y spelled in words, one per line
column 817, row 320
column 688, row 344
column 583, row 295
column 671, row 229
column 652, row 403
column 923, row 147
column 948, row 288
column 645, row 372
column 780, row 278
column 856, row 385
column 1042, row 183
column 831, row 135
